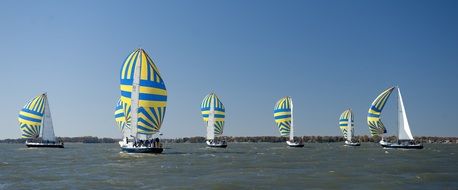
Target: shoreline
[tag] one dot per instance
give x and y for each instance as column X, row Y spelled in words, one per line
column 254, row 139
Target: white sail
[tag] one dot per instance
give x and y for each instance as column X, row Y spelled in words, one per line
column 350, row 127
column 134, row 101
column 47, row 132
column 403, row 123
column 291, row 134
column 211, row 121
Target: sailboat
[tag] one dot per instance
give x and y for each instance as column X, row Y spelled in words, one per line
column 283, row 114
column 35, row 121
column 405, row 138
column 213, row 114
column 346, row 124
column 140, row 111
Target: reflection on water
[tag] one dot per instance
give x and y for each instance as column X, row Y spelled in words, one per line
column 241, row 165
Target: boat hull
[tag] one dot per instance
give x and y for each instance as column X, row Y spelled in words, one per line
column 402, row 146
column 294, row 144
column 149, row 150
column 218, row 146
column 353, row 144
column 44, row 145
column 221, row 144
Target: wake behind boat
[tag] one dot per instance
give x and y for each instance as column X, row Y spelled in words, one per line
column 140, row 110
column 283, row 114
column 35, row 121
column 346, row 124
column 405, row 137
column 213, row 114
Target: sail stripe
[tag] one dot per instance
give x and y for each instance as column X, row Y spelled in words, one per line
column 144, row 90
column 31, row 112
column 374, row 122
column 282, row 115
column 219, row 114
column 147, row 97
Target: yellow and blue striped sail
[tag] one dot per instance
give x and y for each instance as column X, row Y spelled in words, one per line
column 374, row 121
column 121, row 120
column 344, row 119
column 30, row 117
column 220, row 112
column 282, row 115
column 153, row 94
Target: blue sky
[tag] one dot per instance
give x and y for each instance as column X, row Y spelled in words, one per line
column 327, row 55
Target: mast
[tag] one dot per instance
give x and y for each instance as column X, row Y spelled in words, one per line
column 47, row 131
column 211, row 119
column 291, row 133
column 134, row 98
column 403, row 124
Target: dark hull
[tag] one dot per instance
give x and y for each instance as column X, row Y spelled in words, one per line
column 217, row 146
column 353, row 144
column 149, row 150
column 400, row 146
column 45, row 145
column 297, row 146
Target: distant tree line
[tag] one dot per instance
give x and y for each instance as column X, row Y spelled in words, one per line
column 271, row 139
column 86, row 139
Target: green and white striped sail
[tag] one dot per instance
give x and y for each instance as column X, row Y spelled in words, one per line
column 374, row 121
column 213, row 114
column 31, row 116
column 346, row 124
column 282, row 115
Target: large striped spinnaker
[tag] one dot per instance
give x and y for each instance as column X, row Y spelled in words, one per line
column 213, row 114
column 31, row 116
column 346, row 124
column 282, row 115
column 150, row 93
column 374, row 121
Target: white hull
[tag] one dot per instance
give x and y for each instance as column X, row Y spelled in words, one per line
column 383, row 142
column 347, row 143
column 45, row 144
column 294, row 144
column 218, row 144
column 130, row 147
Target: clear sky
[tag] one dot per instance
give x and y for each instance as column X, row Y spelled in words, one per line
column 327, row 55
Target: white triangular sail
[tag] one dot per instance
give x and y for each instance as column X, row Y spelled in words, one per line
column 134, row 102
column 350, row 127
column 403, row 123
column 47, row 129
column 211, row 121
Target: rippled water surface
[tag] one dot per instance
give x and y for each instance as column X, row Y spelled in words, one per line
column 241, row 165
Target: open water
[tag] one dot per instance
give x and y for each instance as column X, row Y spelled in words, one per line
column 240, row 166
